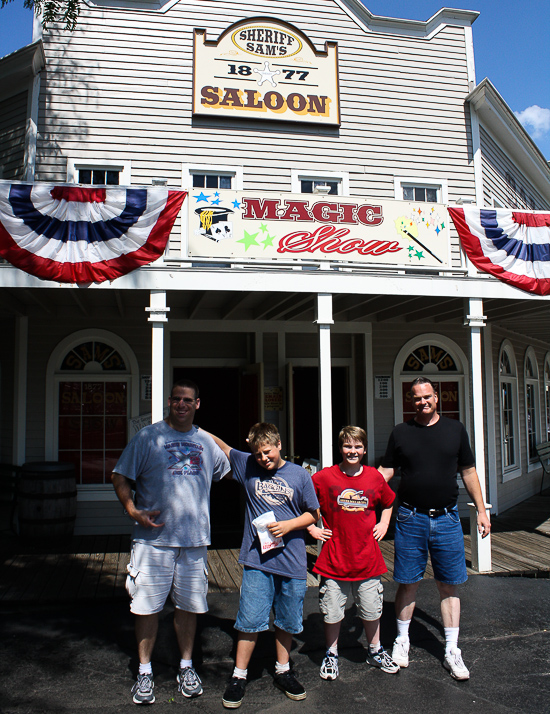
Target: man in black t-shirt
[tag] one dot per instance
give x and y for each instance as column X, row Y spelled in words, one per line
column 430, row 450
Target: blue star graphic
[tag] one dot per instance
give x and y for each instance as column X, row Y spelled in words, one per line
column 217, row 194
column 236, row 204
column 216, row 202
column 201, row 197
column 437, row 230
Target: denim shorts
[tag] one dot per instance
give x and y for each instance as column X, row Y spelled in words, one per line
column 416, row 534
column 261, row 591
column 367, row 595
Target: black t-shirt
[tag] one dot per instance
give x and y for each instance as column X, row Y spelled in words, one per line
column 429, row 458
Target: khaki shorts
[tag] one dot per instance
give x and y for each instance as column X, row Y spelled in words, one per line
column 154, row 572
column 367, row 594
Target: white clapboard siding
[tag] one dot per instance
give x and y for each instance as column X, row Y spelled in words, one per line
column 121, row 89
column 495, row 166
column 13, row 118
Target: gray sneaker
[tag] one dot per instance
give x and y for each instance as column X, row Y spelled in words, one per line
column 189, row 682
column 144, row 689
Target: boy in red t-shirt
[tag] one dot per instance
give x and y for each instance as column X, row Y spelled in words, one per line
column 350, row 561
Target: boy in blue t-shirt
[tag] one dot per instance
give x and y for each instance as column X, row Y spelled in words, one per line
column 275, row 572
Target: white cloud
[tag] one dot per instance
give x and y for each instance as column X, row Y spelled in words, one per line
column 537, row 118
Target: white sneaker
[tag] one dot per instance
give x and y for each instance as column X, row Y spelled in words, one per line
column 400, row 652
column 455, row 664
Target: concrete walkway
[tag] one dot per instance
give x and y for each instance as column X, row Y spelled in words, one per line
column 81, row 658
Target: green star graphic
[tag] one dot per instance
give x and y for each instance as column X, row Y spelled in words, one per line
column 248, row 239
column 410, row 249
column 419, row 254
column 263, row 228
column 442, row 226
column 268, row 241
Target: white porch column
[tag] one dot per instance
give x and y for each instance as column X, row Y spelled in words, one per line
column 481, row 548
column 158, row 317
column 21, row 350
column 324, row 321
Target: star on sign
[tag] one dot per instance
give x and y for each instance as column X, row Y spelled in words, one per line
column 236, row 204
column 248, row 239
column 201, row 197
column 263, row 227
column 216, row 202
column 266, row 74
column 268, row 241
column 419, row 254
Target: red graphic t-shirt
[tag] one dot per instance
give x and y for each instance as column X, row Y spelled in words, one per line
column 348, row 508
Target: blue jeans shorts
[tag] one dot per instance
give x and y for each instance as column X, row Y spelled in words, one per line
column 261, row 591
column 416, row 534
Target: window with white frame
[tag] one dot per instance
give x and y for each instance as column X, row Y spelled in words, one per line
column 508, row 384
column 547, row 395
column 411, row 188
column 98, row 172
column 330, row 183
column 212, row 176
column 531, row 373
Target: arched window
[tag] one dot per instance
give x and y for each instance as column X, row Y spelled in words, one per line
column 531, row 374
column 508, row 383
column 442, row 361
column 90, row 376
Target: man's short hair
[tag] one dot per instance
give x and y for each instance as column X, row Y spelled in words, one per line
column 424, row 380
column 186, row 384
column 352, row 433
column 263, row 433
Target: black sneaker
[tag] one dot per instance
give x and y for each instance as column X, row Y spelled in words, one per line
column 288, row 684
column 383, row 661
column 144, row 689
column 234, row 693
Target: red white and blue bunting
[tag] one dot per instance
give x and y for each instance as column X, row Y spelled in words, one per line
column 514, row 246
column 72, row 234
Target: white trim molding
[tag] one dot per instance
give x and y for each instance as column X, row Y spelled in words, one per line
column 439, row 183
column 296, row 176
column 124, row 167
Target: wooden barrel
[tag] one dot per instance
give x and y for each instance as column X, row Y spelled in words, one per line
column 46, row 500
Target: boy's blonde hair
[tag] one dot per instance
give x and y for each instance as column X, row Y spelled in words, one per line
column 352, row 433
column 263, row 433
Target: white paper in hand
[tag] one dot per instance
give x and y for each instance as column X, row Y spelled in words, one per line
column 267, row 541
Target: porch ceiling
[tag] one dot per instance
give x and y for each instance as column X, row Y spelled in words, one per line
column 527, row 317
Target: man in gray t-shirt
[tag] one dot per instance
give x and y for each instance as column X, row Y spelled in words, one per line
column 170, row 465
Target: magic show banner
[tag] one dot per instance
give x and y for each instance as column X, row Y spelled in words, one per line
column 262, row 68
column 283, row 226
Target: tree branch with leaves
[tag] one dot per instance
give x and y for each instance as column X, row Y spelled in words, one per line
column 53, row 11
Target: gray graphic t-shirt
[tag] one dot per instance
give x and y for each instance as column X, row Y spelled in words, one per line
column 288, row 492
column 173, row 472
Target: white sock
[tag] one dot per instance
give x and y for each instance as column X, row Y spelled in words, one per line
column 333, row 649
column 403, row 629
column 186, row 663
column 240, row 673
column 451, row 639
column 145, row 668
column 281, row 668
column 374, row 647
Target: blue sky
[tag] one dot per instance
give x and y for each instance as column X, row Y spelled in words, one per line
column 510, row 42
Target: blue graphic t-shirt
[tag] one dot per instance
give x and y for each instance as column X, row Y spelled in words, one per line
column 288, row 492
column 173, row 472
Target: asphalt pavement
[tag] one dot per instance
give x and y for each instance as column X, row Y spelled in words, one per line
column 82, row 658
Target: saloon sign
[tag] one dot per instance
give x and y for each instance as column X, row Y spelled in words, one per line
column 265, row 69
column 271, row 226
